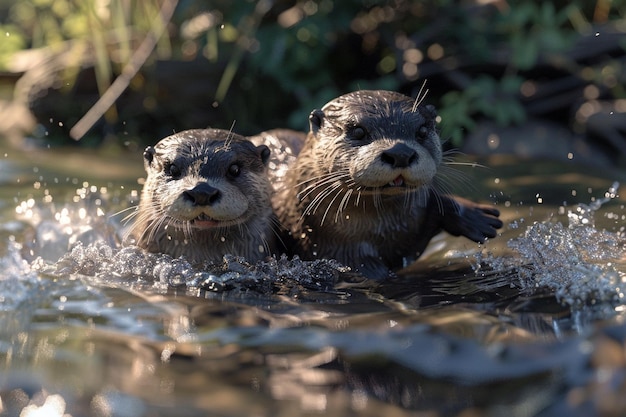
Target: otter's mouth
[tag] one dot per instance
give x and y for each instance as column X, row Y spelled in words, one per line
column 396, row 182
column 204, row 222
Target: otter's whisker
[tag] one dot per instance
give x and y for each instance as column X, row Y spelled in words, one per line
column 437, row 197
column 408, row 197
column 449, row 180
column 318, row 182
column 451, row 175
column 319, row 198
column 343, row 204
column 256, row 230
column 377, row 199
column 330, row 204
column 450, row 164
column 117, row 213
column 230, row 135
column 152, row 211
column 421, row 96
column 442, row 188
column 314, row 179
column 187, row 230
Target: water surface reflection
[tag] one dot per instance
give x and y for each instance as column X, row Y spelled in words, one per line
column 115, row 332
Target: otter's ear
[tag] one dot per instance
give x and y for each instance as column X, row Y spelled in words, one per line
column 148, row 156
column 315, row 120
column 264, row 152
column 430, row 111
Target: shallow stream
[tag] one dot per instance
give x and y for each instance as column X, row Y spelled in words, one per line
column 529, row 324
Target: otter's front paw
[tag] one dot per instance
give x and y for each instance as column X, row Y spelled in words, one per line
column 477, row 222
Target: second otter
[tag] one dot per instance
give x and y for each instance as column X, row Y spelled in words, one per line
column 207, row 194
column 362, row 189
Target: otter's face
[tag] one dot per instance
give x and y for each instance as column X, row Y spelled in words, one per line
column 202, row 179
column 378, row 141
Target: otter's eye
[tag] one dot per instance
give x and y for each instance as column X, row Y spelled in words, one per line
column 234, row 170
column 358, row 133
column 172, row 170
column 422, row 132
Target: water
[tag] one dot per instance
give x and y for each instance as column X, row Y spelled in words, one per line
column 530, row 324
column 578, row 263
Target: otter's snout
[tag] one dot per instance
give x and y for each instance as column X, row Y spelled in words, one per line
column 202, row 195
column 399, row 156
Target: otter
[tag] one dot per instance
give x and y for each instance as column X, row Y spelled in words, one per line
column 207, row 194
column 364, row 188
column 285, row 145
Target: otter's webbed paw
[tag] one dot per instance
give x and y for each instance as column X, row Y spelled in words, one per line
column 476, row 222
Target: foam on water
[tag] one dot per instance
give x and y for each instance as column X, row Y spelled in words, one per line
column 131, row 264
column 578, row 263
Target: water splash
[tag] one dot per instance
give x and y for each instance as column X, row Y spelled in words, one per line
column 80, row 238
column 577, row 262
column 132, row 264
column 50, row 229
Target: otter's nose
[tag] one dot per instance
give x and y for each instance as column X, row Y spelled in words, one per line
column 399, row 156
column 202, row 195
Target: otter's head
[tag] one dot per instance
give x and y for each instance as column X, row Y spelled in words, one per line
column 205, row 179
column 377, row 141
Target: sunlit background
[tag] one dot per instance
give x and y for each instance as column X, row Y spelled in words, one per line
column 265, row 64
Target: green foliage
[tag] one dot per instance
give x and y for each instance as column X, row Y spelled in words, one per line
column 533, row 28
column 272, row 62
column 516, row 39
column 300, row 56
column 495, row 99
column 11, row 41
column 109, row 28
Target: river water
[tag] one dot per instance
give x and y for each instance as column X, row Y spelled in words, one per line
column 529, row 324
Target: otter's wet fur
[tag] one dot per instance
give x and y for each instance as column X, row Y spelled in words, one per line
column 363, row 189
column 207, row 194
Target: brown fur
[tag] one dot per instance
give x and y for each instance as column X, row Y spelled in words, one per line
column 206, row 194
column 362, row 189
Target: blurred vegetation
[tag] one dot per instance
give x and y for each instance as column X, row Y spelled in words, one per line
column 266, row 64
